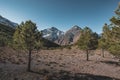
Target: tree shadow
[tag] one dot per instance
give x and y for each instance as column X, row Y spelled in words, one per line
column 66, row 75
column 41, row 72
column 85, row 76
column 111, row 62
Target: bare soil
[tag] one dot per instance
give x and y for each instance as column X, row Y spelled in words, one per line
column 59, row 64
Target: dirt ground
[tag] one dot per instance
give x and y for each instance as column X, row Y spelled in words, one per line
column 59, row 64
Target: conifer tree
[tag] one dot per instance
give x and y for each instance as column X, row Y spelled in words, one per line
column 104, row 39
column 102, row 45
column 115, row 33
column 17, row 38
column 26, row 37
column 87, row 41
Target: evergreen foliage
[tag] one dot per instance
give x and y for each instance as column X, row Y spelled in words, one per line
column 27, row 37
column 115, row 33
column 88, row 40
column 110, row 39
column 104, row 41
column 17, row 38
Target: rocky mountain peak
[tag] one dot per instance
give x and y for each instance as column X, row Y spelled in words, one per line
column 52, row 33
column 53, row 28
column 76, row 27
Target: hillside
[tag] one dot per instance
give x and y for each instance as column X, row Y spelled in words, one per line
column 6, row 34
column 6, row 29
column 49, row 44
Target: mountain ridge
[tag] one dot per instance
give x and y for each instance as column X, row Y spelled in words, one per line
column 64, row 38
column 52, row 34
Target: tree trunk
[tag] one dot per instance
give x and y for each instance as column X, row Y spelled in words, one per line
column 87, row 55
column 103, row 53
column 37, row 51
column 29, row 61
column 119, row 62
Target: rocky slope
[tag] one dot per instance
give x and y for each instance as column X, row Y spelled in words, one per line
column 70, row 37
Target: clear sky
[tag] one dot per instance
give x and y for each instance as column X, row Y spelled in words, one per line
column 62, row 14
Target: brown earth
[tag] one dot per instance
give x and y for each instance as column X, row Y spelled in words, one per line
column 59, row 64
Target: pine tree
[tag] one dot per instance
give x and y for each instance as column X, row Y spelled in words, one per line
column 94, row 39
column 26, row 37
column 17, row 38
column 115, row 33
column 102, row 45
column 87, row 41
column 104, row 39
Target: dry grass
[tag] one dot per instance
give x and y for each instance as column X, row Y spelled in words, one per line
column 65, row 64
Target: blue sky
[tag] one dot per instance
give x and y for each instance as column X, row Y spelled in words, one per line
column 62, row 14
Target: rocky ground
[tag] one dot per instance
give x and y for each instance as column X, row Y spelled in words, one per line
column 59, row 64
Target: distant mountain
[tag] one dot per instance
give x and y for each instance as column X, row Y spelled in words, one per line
column 70, row 37
column 7, row 22
column 52, row 34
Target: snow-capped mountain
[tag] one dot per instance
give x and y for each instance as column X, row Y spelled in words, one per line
column 52, row 33
column 7, row 22
column 70, row 37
